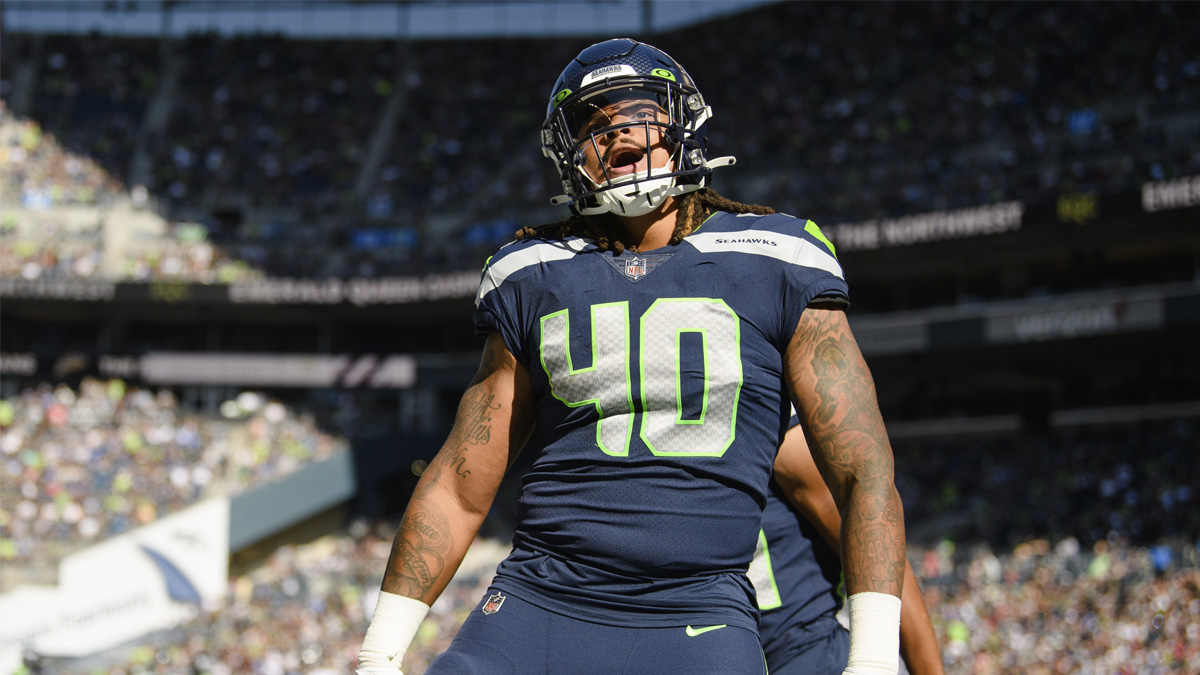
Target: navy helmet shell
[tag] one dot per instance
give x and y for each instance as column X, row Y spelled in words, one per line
column 613, row 70
column 618, row 57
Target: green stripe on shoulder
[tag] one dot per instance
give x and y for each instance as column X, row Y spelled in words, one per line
column 705, row 221
column 811, row 228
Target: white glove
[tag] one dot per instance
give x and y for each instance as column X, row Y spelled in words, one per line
column 392, row 628
column 874, row 634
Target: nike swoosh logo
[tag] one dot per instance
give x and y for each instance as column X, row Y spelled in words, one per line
column 693, row 632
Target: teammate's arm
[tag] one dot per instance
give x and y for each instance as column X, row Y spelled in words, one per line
column 450, row 501
column 803, row 486
column 835, row 400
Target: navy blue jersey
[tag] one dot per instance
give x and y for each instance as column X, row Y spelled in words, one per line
column 797, row 577
column 660, row 402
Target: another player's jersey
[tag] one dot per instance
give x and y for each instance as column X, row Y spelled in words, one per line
column 660, row 402
column 797, row 577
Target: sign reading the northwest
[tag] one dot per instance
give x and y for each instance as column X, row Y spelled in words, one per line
column 921, row 228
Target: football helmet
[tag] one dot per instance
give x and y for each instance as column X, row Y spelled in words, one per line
column 617, row 109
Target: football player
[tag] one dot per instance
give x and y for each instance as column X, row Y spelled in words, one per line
column 645, row 351
column 797, row 575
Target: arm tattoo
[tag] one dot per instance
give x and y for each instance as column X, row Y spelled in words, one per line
column 851, row 449
column 473, row 423
column 426, row 537
column 418, row 553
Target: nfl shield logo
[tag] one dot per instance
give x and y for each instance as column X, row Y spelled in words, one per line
column 635, row 268
column 493, row 603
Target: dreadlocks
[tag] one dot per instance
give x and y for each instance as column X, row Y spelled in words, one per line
column 694, row 208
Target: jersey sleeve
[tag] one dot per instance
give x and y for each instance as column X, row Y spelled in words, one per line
column 495, row 312
column 813, row 273
column 513, row 285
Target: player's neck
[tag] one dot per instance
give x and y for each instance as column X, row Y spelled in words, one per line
column 651, row 231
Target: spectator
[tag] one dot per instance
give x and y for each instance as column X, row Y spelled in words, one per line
column 79, row 466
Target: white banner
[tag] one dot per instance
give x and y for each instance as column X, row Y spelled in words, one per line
column 280, row 370
column 125, row 587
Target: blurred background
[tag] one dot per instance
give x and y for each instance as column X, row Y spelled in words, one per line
column 239, row 243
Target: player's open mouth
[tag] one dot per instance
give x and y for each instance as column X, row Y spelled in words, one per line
column 625, row 159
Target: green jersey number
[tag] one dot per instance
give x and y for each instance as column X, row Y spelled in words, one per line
column 607, row 384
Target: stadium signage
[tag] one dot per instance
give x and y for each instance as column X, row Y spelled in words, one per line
column 1061, row 322
column 279, row 370
column 170, row 291
column 124, row 587
column 288, row 291
column 1078, row 208
column 1067, row 324
column 921, row 228
column 57, row 289
column 358, row 291
column 18, row 363
column 399, row 290
column 1163, row 195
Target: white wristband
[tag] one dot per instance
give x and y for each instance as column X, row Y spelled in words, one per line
column 874, row 634
column 392, row 628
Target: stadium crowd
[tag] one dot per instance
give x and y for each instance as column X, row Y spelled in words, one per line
column 39, row 173
column 296, row 140
column 81, row 464
column 1133, row 481
column 1047, row 553
column 92, row 93
column 889, row 109
column 1039, row 608
column 1090, row 588
column 908, row 107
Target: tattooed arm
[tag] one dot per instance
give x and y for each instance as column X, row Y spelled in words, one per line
column 455, row 492
column 493, row 421
column 803, row 486
column 835, row 400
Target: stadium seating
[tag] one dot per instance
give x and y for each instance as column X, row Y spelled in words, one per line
column 82, row 464
column 889, row 109
column 215, row 159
